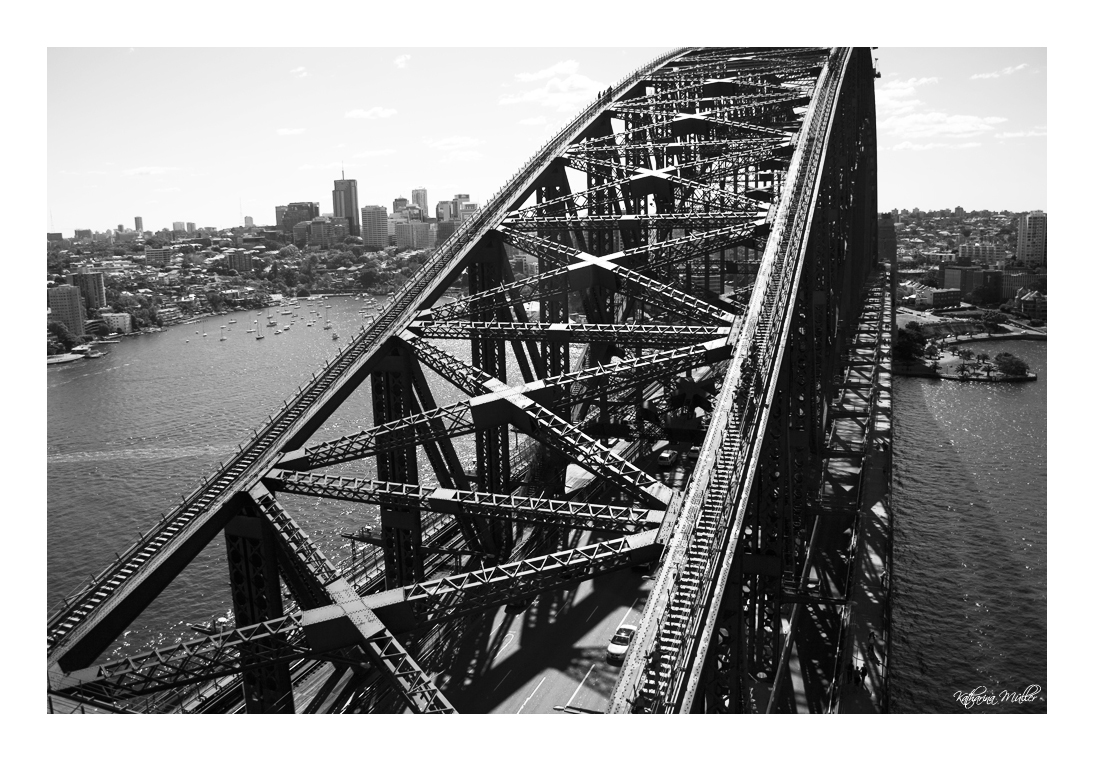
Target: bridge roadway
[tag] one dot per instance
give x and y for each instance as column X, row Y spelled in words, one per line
column 92, row 607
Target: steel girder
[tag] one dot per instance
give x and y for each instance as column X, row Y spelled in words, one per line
column 700, row 169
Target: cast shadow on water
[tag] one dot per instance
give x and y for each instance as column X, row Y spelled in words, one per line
column 958, row 621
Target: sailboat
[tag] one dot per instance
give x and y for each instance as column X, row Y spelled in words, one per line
column 252, row 330
column 203, row 333
column 259, row 336
column 270, row 320
column 222, row 336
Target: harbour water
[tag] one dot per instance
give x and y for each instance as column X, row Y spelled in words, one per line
column 131, row 432
column 970, row 504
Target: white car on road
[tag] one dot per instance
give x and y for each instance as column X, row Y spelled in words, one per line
column 620, row 642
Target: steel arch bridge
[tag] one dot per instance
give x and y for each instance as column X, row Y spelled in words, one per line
column 703, row 233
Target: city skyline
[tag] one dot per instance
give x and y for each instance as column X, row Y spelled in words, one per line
column 956, row 126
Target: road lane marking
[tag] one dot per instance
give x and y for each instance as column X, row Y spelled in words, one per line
column 580, row 684
column 592, row 612
column 533, row 693
column 503, row 679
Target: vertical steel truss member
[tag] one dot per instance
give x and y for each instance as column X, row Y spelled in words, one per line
column 256, row 597
column 392, row 399
column 642, row 210
column 484, row 272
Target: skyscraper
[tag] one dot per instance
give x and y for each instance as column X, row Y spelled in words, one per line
column 444, row 211
column 345, row 203
column 248, row 222
column 374, row 226
column 419, row 197
column 138, row 224
column 191, row 228
column 279, row 215
column 298, row 211
column 67, row 307
column 178, row 227
column 92, row 287
column 398, row 205
column 1033, row 239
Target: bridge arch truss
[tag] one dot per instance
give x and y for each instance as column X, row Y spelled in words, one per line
column 700, row 237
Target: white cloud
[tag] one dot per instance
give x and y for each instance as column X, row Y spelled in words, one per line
column 401, row 61
column 563, row 88
column 1036, row 132
column 897, row 96
column 376, row 112
column 534, row 120
column 149, row 170
column 172, row 189
column 453, row 142
column 374, row 152
column 299, row 72
column 290, row 130
column 1005, row 71
column 936, row 124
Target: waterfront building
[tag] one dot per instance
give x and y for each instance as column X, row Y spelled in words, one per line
column 1033, row 239
column 420, row 198
column 374, row 226
column 92, row 287
column 118, row 322
column 345, row 203
column 937, row 298
column 67, row 307
column 1032, row 304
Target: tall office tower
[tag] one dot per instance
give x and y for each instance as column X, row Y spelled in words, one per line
column 420, row 198
column 1033, row 239
column 92, row 287
column 299, row 211
column 179, row 227
column 191, row 228
column 457, row 201
column 121, row 228
column 138, row 224
column 374, row 226
column 345, row 203
column 398, row 205
column 444, row 211
column 67, row 307
column 248, row 222
column 279, row 214
column 413, row 213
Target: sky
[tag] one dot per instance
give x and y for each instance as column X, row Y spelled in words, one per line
column 210, row 135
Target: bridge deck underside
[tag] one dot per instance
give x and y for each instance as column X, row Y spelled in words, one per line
column 664, row 289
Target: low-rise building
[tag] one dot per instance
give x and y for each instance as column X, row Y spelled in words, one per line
column 118, row 322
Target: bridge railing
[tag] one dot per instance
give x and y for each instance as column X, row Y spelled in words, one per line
column 692, row 569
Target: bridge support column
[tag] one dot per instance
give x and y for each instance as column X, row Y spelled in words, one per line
column 401, row 529
column 485, row 271
column 256, row 597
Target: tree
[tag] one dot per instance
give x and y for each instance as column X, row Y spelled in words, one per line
column 992, row 319
column 1009, row 365
column 60, row 332
column 909, row 346
column 303, row 292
